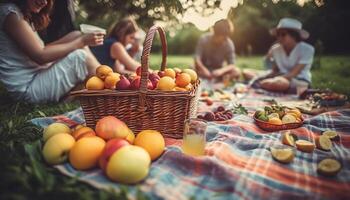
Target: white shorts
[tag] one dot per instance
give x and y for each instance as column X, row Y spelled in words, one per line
column 51, row 84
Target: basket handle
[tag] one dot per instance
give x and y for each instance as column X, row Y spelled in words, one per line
column 147, row 45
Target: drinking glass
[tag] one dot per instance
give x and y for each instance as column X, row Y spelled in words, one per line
column 194, row 137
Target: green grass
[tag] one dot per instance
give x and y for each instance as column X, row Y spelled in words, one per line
column 23, row 173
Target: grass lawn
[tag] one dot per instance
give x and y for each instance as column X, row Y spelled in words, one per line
column 23, row 173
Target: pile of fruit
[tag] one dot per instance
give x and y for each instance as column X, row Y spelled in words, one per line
column 167, row 80
column 328, row 166
column 278, row 115
column 219, row 114
column 112, row 146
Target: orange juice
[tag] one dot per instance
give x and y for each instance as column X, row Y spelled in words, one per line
column 193, row 144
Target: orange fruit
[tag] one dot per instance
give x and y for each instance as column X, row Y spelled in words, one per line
column 130, row 137
column 177, row 70
column 192, row 74
column 83, row 132
column 183, row 79
column 189, row 87
column 152, row 141
column 111, row 80
column 275, row 121
column 180, row 89
column 102, row 71
column 295, row 111
column 166, row 83
column 170, row 72
column 95, row 83
column 305, row 146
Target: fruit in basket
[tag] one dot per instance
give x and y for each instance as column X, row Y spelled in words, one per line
column 273, row 115
column 189, row 87
column 54, row 129
column 152, row 141
column 56, row 149
column 332, row 135
column 275, row 121
column 166, row 84
column 130, row 164
column 324, row 143
column 123, row 83
column 83, row 132
column 285, row 155
column 192, row 74
column 177, row 70
column 328, row 167
column 130, row 137
column 111, row 146
column 95, row 83
column 102, row 71
column 305, row 146
column 161, row 74
column 183, row 79
column 295, row 111
column 111, row 127
column 180, row 89
column 136, row 84
column 111, row 80
column 170, row 73
column 86, row 152
column 287, row 118
column 138, row 71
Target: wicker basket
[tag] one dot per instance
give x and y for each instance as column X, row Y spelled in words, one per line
column 142, row 109
column 273, row 127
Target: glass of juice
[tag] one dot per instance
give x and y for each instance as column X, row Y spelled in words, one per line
column 194, row 137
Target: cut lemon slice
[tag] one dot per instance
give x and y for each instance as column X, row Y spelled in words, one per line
column 282, row 155
column 324, row 143
column 288, row 118
column 331, row 134
column 328, row 167
column 289, row 138
column 305, row 146
column 273, row 115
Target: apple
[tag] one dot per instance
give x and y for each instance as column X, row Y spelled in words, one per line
column 153, row 76
column 136, row 84
column 130, row 164
column 83, row 132
column 138, row 71
column 161, row 74
column 56, row 148
column 112, row 146
column 123, row 83
column 110, row 127
column 86, row 152
column 54, row 129
column 130, row 137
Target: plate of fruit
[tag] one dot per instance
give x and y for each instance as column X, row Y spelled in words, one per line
column 277, row 117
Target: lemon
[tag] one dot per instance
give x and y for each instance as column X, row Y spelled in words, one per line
column 283, row 155
column 152, row 141
column 275, row 121
column 305, row 146
column 328, row 167
column 286, row 119
column 324, row 143
column 273, row 115
column 331, row 134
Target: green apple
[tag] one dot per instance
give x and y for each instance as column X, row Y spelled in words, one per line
column 130, row 164
column 54, row 129
column 56, row 148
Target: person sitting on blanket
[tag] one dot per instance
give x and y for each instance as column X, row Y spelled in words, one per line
column 32, row 71
column 119, row 47
column 215, row 48
column 291, row 58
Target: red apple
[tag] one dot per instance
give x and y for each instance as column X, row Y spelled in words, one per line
column 110, row 127
column 161, row 74
column 138, row 71
column 123, row 84
column 112, row 146
column 136, row 83
column 153, row 76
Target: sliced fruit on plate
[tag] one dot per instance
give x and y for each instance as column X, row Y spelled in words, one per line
column 289, row 138
column 296, row 112
column 328, row 167
column 273, row 115
column 275, row 121
column 305, row 146
column 285, row 155
column 324, row 143
column 332, row 135
column 288, row 118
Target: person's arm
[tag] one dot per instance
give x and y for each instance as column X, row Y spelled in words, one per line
column 119, row 53
column 200, row 67
column 67, row 38
column 230, row 57
column 295, row 71
column 20, row 31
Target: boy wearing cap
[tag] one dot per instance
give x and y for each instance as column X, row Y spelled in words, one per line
column 213, row 49
column 292, row 58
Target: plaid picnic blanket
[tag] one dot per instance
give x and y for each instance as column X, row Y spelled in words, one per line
column 238, row 164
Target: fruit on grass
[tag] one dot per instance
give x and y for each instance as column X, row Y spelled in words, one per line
column 123, row 83
column 56, row 148
column 170, row 73
column 86, row 152
column 305, row 146
column 275, row 121
column 83, row 132
column 130, row 137
column 183, row 79
column 130, row 164
column 111, row 146
column 332, row 135
column 102, row 71
column 287, row 118
column 110, row 127
column 152, row 141
column 192, row 74
column 328, row 167
column 95, row 83
column 54, row 129
column 285, row 155
column 289, row 138
column 324, row 143
column 166, row 84
column 111, row 80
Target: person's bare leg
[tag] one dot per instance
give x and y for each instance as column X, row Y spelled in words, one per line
column 91, row 62
column 275, row 85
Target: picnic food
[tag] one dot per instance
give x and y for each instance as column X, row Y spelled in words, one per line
column 123, row 83
column 130, row 164
column 220, row 114
column 324, row 143
column 83, row 132
column 183, row 79
column 332, row 135
column 130, row 137
column 192, row 74
column 328, row 167
column 111, row 146
column 289, row 138
column 110, row 127
column 95, row 83
column 305, row 146
column 152, row 141
column 54, row 129
column 111, row 80
column 209, row 101
column 56, row 148
column 285, row 155
column 170, row 73
column 166, row 83
column 86, row 152
column 102, row 71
